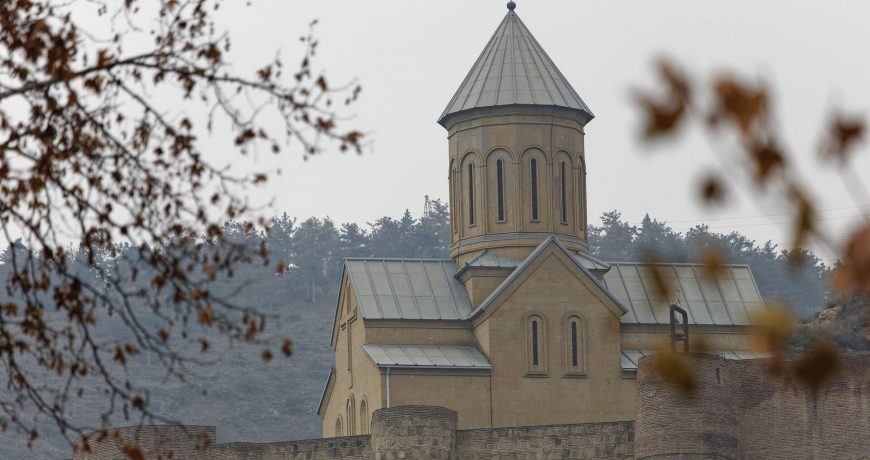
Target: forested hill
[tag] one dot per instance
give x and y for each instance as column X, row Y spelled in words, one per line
column 251, row 401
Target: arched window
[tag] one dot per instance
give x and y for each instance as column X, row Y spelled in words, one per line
column 580, row 190
column 351, row 429
column 470, row 193
column 575, row 359
column 363, row 417
column 499, row 173
column 533, row 168
column 536, row 344
column 338, row 426
column 563, row 185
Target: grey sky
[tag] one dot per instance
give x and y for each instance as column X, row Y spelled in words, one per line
column 410, row 56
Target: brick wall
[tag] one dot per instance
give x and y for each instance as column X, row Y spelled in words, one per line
column 587, row 441
column 742, row 411
column 779, row 419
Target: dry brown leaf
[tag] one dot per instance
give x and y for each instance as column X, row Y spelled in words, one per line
column 818, row 366
column 133, row 452
column 854, row 274
column 738, row 102
column 843, row 134
column 675, row 370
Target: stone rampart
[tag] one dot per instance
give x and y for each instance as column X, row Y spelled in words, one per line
column 589, row 440
column 740, row 410
column 350, row 447
column 414, row 432
column 156, row 442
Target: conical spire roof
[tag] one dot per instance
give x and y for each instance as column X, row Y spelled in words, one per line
column 514, row 69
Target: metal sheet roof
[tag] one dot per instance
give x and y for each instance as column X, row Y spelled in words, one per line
column 630, row 358
column 514, row 69
column 427, row 356
column 408, row 289
column 728, row 300
column 591, row 263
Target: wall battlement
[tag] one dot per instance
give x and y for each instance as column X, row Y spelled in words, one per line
column 738, row 411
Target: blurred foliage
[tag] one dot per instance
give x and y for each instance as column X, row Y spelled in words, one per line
column 103, row 105
column 738, row 116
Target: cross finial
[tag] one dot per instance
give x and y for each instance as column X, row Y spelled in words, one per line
column 511, row 5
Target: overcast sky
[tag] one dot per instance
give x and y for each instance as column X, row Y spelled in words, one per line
column 410, row 56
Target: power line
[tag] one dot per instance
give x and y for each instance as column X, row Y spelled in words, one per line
column 718, row 219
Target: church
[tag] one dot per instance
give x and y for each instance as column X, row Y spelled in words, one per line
column 520, row 326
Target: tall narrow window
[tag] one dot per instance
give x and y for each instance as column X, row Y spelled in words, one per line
column 535, row 357
column 574, row 343
column 580, row 189
column 533, row 167
column 536, row 345
column 338, row 426
column 564, row 187
column 499, row 172
column 471, row 194
column 575, row 363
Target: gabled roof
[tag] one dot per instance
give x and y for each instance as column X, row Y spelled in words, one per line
column 427, row 356
column 727, row 300
column 407, row 289
column 591, row 263
column 550, row 241
column 514, row 69
column 327, row 391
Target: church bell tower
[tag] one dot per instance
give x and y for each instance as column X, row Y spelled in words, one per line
column 517, row 162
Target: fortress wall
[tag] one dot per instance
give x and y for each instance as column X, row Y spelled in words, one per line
column 350, row 447
column 671, row 425
column 783, row 420
column 414, row 432
column 155, row 442
column 741, row 411
column 610, row 440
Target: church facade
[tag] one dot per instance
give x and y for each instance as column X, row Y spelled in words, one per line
column 521, row 326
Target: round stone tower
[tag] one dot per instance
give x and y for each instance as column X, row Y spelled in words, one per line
column 414, row 432
column 700, row 425
column 517, row 162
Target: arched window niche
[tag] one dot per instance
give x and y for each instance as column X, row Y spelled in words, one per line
column 498, row 196
column 499, row 179
column 533, row 190
column 364, row 424
column 575, row 346
column 468, row 190
column 338, row 431
column 350, row 417
column 563, row 190
column 535, row 330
